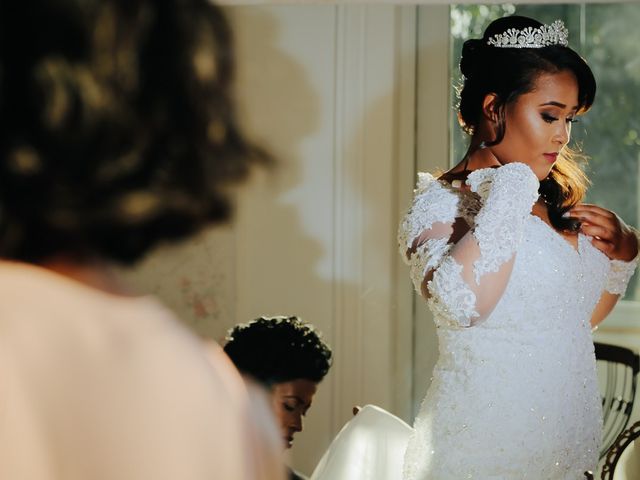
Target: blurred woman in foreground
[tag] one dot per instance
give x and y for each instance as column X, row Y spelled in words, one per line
column 117, row 132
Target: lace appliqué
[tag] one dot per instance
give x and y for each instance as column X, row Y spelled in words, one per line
column 469, row 207
column 620, row 272
column 427, row 257
column 508, row 194
column 451, row 299
column 432, row 204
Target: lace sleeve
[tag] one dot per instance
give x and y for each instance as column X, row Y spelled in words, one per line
column 508, row 193
column 620, row 273
column 465, row 280
column 432, row 205
column 469, row 277
column 451, row 300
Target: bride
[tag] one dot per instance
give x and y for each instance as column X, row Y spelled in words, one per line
column 516, row 271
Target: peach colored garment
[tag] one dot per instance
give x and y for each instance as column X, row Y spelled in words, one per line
column 101, row 387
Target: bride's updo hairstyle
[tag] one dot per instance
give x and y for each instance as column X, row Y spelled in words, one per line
column 511, row 72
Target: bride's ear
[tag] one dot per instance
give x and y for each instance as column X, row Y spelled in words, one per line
column 490, row 107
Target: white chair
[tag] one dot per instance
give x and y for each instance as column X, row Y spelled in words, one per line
column 370, row 446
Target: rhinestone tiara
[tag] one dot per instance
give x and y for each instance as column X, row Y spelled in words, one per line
column 554, row 34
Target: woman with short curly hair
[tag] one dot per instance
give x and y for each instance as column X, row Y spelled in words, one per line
column 289, row 358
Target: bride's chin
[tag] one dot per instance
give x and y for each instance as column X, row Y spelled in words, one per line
column 542, row 173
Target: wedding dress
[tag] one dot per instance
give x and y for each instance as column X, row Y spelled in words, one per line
column 514, row 392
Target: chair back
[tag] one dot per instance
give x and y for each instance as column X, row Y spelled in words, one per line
column 618, row 372
column 624, row 440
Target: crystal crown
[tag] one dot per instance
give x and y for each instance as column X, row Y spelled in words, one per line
column 554, row 34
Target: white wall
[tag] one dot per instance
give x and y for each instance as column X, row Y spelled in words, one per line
column 329, row 90
column 317, row 237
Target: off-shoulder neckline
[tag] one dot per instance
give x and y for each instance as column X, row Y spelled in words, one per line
column 427, row 178
column 577, row 250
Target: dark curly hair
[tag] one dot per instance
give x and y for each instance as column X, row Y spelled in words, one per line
column 117, row 126
column 278, row 349
column 512, row 72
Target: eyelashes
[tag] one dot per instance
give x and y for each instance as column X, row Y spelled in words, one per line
column 292, row 409
column 550, row 118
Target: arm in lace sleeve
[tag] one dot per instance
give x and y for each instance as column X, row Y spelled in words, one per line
column 620, row 272
column 424, row 232
column 615, row 286
column 465, row 280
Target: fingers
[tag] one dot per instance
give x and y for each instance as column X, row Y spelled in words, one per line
column 593, row 214
column 605, row 223
column 591, row 207
column 604, row 246
column 598, row 231
column 609, row 233
column 598, row 223
column 588, row 209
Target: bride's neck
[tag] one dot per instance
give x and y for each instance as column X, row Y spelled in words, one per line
column 476, row 159
column 482, row 158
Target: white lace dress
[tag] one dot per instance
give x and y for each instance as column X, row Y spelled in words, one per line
column 514, row 392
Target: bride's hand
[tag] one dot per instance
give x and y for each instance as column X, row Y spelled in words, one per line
column 610, row 234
